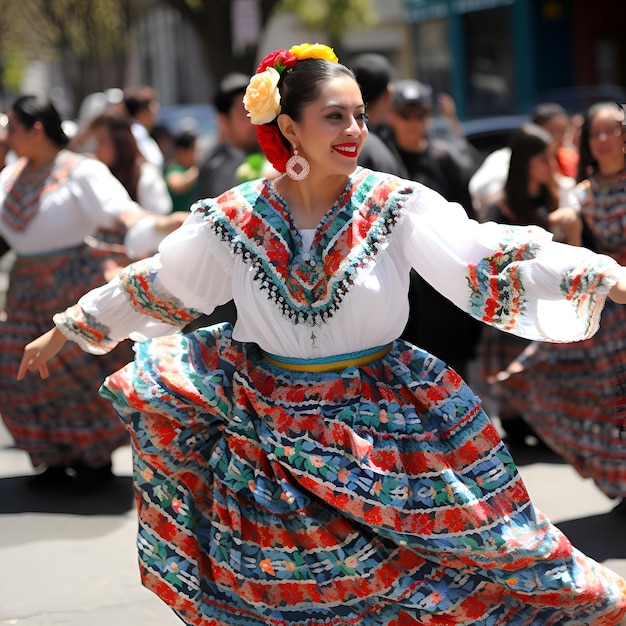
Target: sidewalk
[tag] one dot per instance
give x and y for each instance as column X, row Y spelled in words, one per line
column 71, row 561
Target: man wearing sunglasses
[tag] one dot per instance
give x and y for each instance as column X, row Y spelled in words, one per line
column 435, row 324
column 429, row 160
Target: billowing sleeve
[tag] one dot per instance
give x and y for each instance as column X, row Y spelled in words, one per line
column 100, row 196
column 152, row 193
column 190, row 275
column 514, row 278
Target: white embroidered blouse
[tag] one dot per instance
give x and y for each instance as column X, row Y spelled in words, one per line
column 78, row 196
column 348, row 290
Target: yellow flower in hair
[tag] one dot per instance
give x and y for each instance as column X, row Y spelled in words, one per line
column 262, row 98
column 314, row 51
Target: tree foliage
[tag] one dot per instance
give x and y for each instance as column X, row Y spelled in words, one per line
column 89, row 38
column 212, row 21
column 336, row 17
column 13, row 57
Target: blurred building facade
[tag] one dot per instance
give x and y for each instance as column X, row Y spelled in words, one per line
column 502, row 56
column 495, row 57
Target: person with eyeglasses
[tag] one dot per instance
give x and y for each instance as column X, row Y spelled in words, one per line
column 427, row 159
column 574, row 394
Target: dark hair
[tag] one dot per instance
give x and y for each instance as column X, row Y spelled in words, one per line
column 185, row 139
column 126, row 165
column 231, row 86
column 587, row 163
column 526, row 143
column 546, row 111
column 139, row 98
column 302, row 84
column 374, row 73
column 32, row 109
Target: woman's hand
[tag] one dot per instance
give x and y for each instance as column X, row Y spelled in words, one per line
column 38, row 352
column 567, row 225
column 166, row 224
column 618, row 292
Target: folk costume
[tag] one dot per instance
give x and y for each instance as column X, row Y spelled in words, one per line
column 308, row 468
column 44, row 222
column 573, row 394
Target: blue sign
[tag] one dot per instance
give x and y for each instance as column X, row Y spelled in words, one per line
column 427, row 10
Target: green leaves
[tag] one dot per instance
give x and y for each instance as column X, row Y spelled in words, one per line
column 337, row 17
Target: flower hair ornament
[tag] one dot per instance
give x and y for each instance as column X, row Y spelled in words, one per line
column 262, row 102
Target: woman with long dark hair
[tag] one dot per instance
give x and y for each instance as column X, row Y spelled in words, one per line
column 530, row 191
column 573, row 394
column 117, row 148
column 530, row 197
column 51, row 199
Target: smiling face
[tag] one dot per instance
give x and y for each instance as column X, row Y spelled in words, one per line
column 332, row 128
column 605, row 138
column 542, row 167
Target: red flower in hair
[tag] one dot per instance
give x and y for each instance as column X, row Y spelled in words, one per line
column 280, row 60
column 273, row 145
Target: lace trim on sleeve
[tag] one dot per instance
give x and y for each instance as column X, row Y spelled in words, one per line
column 139, row 283
column 85, row 330
column 587, row 288
column 498, row 288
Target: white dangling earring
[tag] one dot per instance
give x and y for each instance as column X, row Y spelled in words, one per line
column 297, row 167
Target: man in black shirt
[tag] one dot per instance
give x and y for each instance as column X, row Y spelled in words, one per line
column 435, row 324
column 374, row 74
column 436, row 163
column 237, row 138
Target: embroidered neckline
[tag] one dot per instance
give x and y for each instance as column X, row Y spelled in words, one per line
column 282, row 206
column 308, row 286
column 22, row 202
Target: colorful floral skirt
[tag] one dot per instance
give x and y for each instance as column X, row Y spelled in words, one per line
column 62, row 419
column 376, row 495
column 574, row 396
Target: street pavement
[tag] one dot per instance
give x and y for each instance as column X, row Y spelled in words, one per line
column 70, row 561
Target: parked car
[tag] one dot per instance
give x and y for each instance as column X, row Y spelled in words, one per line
column 579, row 99
column 198, row 117
column 491, row 133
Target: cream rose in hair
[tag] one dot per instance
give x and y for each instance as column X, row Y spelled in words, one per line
column 262, row 98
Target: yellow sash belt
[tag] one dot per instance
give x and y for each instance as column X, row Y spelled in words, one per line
column 329, row 364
